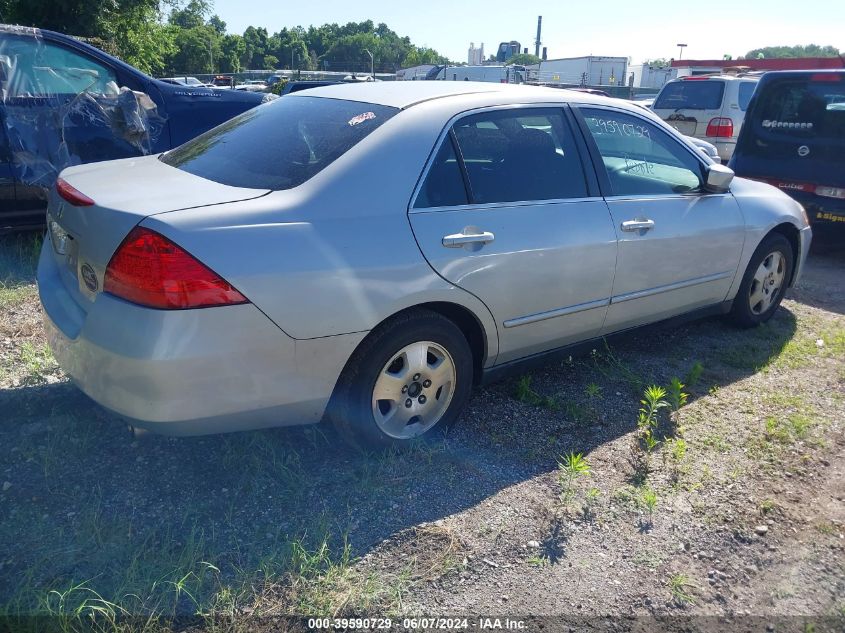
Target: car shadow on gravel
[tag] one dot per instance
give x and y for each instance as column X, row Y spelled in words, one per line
column 84, row 500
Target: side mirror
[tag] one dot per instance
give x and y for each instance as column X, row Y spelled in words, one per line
column 719, row 178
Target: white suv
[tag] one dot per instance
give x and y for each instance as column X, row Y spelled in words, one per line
column 709, row 107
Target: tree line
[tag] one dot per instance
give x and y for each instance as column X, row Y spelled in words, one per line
column 173, row 37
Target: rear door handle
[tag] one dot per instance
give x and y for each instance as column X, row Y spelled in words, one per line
column 457, row 240
column 637, row 225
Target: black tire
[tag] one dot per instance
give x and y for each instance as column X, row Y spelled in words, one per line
column 352, row 407
column 746, row 313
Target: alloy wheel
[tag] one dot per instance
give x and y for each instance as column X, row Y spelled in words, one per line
column 413, row 390
column 767, row 282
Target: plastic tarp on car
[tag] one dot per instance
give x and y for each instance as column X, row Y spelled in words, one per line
column 61, row 108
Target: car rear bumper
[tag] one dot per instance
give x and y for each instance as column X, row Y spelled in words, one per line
column 187, row 372
column 725, row 148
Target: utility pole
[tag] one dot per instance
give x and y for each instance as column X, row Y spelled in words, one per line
column 681, row 48
column 537, row 41
column 372, row 63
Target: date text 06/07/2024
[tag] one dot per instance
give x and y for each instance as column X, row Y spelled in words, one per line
column 421, row 623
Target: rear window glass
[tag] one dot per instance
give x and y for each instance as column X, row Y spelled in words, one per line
column 280, row 145
column 804, row 108
column 691, row 94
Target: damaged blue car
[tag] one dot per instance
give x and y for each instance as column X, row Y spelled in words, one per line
column 64, row 102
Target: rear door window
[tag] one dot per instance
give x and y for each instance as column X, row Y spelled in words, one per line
column 520, row 155
column 279, row 145
column 691, row 94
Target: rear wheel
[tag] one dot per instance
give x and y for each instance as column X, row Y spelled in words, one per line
column 409, row 379
column 765, row 282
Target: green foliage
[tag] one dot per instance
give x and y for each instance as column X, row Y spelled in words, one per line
column 570, row 468
column 660, row 62
column 654, row 399
column 193, row 41
column 525, row 393
column 648, row 500
column 593, row 390
column 523, row 59
column 678, row 586
column 675, row 394
column 808, row 50
column 694, row 374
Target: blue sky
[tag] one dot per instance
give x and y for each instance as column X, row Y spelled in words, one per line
column 571, row 28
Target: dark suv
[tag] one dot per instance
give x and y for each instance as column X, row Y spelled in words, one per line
column 794, row 139
column 65, row 102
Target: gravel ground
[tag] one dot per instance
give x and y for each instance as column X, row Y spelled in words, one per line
column 741, row 511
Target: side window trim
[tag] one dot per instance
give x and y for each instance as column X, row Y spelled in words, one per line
column 592, row 173
column 598, row 163
column 456, row 148
column 581, row 148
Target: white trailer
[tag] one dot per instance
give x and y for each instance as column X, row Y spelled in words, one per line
column 593, row 70
column 511, row 74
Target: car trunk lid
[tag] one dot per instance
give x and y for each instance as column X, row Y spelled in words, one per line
column 124, row 192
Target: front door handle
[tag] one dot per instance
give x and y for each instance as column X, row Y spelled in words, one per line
column 457, row 240
column 637, row 225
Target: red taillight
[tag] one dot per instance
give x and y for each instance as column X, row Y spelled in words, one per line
column 720, row 127
column 150, row 270
column 72, row 194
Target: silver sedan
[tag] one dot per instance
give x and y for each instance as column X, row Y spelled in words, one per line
column 367, row 253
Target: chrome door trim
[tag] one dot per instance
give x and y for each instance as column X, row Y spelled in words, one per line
column 483, row 206
column 551, row 314
column 668, row 287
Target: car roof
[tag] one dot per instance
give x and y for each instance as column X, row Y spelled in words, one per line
column 716, row 78
column 404, row 94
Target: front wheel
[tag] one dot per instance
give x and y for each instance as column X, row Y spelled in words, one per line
column 765, row 282
column 409, row 379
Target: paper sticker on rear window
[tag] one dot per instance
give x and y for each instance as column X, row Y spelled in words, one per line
column 364, row 116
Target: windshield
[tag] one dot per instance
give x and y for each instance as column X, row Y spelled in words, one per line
column 689, row 94
column 279, row 145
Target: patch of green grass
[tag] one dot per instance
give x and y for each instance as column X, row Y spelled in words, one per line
column 648, row 501
column 19, row 254
column 679, row 585
column 537, row 560
column 766, row 506
column 593, row 390
column 12, row 295
column 648, row 558
column 694, row 374
column 524, row 392
column 827, row 528
column 716, row 442
column 37, row 360
column 787, row 431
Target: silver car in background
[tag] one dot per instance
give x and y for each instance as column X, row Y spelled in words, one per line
column 367, row 253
